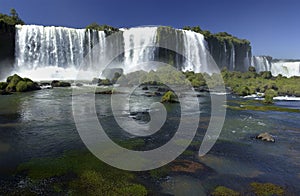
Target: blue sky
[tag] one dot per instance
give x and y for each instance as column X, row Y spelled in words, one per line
column 272, row 26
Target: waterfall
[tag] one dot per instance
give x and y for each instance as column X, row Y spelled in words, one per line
column 195, row 52
column 285, row 68
column 261, row 63
column 53, row 52
column 45, row 53
column 232, row 58
column 139, row 47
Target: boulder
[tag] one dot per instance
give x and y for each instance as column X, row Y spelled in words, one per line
column 17, row 84
column 265, row 137
column 56, row 83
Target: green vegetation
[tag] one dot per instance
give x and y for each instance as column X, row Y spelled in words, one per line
column 250, row 82
column 266, row 189
column 106, row 28
column 11, row 19
column 88, row 175
column 169, row 97
column 224, row 191
column 222, row 36
column 3, row 85
column 269, row 95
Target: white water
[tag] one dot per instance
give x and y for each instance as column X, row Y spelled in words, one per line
column 54, row 52
column 288, row 69
column 195, row 52
column 261, row 63
column 45, row 53
column 138, row 47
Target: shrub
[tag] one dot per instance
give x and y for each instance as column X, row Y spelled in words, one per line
column 169, row 97
column 269, row 95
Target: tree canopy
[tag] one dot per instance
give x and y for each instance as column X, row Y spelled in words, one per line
column 11, row 19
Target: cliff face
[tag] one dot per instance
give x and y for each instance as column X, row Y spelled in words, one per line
column 234, row 55
column 7, row 47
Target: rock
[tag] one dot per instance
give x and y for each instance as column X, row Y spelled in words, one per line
column 78, row 84
column 157, row 94
column 145, row 88
column 104, row 82
column 169, row 97
column 265, row 137
column 202, row 89
column 56, row 83
column 186, row 166
column 161, row 89
column 106, row 92
column 95, row 80
column 3, row 92
column 17, row 84
column 112, row 73
column 3, row 85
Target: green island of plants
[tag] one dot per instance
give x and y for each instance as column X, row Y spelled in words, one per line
column 83, row 174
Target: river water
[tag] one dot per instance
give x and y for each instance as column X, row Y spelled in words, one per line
column 40, row 124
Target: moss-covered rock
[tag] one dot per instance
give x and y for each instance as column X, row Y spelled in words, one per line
column 16, row 83
column 266, row 189
column 104, row 82
column 169, row 97
column 224, row 191
column 12, row 82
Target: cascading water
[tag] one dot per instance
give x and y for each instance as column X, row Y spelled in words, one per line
column 45, row 53
column 53, row 52
column 261, row 63
column 232, row 58
column 195, row 52
column 285, row 68
column 139, row 47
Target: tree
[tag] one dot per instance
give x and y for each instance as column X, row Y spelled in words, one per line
column 11, row 19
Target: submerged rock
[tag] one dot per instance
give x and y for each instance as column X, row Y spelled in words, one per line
column 261, row 189
column 265, row 137
column 224, row 191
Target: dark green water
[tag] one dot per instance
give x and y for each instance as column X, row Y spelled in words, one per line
column 40, row 124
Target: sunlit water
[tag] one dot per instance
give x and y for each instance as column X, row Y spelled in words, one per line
column 40, row 124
